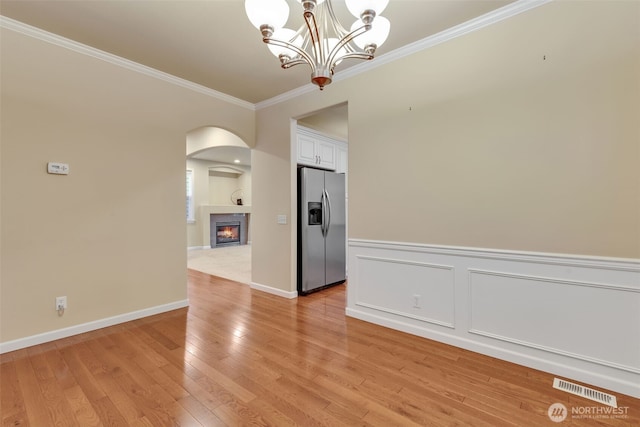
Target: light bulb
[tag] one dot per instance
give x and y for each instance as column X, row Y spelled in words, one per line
column 285, row 35
column 377, row 35
column 273, row 13
column 356, row 7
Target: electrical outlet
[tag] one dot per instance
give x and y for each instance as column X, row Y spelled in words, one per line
column 416, row 301
column 61, row 303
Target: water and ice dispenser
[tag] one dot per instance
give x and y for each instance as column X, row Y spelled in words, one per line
column 315, row 213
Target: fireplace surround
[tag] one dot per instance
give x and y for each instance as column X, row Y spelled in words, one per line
column 228, row 229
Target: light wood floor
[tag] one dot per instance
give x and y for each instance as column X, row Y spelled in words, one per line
column 240, row 357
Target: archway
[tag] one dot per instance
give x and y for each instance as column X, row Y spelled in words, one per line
column 218, row 165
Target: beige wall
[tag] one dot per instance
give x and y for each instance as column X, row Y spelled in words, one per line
column 271, row 256
column 332, row 121
column 110, row 235
column 222, row 185
column 547, row 167
column 523, row 135
column 530, row 143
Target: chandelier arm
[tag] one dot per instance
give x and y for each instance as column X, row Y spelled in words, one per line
column 305, row 56
column 314, row 35
column 292, row 62
column 354, row 55
column 344, row 42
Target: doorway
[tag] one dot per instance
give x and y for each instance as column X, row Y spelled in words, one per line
column 322, row 132
column 218, row 165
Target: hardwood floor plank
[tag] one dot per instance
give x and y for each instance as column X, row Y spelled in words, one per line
column 425, row 408
column 251, row 366
column 128, row 386
column 274, row 396
column 58, row 407
column 146, row 400
column 109, row 413
column 11, row 400
column 81, row 407
column 447, row 380
column 239, row 357
column 220, row 379
column 200, row 393
column 60, row 369
column 413, row 410
column 34, row 402
column 395, row 419
column 180, row 416
column 200, row 412
column 349, row 395
column 235, row 413
column 75, row 357
column 127, row 406
column 271, row 415
column 52, row 390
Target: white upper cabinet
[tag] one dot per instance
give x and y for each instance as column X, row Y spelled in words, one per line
column 326, row 154
column 307, row 154
column 315, row 149
column 341, row 157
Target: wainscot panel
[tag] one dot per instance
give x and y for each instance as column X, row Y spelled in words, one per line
column 573, row 316
column 415, row 290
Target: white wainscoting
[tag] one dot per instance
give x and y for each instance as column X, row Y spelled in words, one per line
column 576, row 317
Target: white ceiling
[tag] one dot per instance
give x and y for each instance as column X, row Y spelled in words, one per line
column 212, row 42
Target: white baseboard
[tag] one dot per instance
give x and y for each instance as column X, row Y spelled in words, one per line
column 274, row 291
column 569, row 315
column 197, row 248
column 89, row 326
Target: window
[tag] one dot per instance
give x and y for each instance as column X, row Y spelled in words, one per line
column 190, row 214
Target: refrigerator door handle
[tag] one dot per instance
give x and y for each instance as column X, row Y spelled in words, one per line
column 328, row 213
column 323, row 225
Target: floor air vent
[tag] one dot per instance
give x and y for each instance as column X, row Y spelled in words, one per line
column 586, row 392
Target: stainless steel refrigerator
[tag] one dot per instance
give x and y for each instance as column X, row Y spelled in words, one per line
column 321, row 229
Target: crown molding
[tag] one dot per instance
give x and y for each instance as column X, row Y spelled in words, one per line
column 475, row 24
column 470, row 26
column 45, row 36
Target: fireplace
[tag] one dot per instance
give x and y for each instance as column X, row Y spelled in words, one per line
column 228, row 229
column 227, row 233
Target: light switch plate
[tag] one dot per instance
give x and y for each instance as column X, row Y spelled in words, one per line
column 58, row 168
column 281, row 219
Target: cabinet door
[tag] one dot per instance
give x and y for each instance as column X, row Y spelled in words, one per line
column 326, row 152
column 307, row 150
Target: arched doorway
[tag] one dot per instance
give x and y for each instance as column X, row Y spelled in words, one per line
column 218, row 167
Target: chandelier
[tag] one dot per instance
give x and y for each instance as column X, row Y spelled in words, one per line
column 321, row 42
